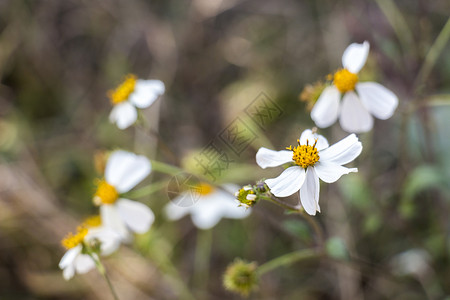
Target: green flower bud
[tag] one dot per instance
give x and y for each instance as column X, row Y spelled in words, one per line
column 240, row 277
column 246, row 196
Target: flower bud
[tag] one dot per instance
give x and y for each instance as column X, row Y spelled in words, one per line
column 241, row 277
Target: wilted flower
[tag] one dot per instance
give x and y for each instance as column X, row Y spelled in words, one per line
column 90, row 240
column 310, row 94
column 241, row 277
column 356, row 109
column 313, row 159
column 210, row 205
column 131, row 94
column 124, row 170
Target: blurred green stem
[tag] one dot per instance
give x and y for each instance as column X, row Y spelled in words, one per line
column 288, row 259
column 313, row 223
column 102, row 271
column 433, row 54
column 398, row 23
column 159, row 253
column 202, row 258
column 147, row 190
column 165, row 168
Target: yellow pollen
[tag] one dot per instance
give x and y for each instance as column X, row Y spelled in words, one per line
column 123, row 91
column 304, row 155
column 94, row 221
column 204, row 189
column 105, row 194
column 72, row 240
column 345, row 80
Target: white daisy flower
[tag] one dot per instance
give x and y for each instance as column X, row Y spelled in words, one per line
column 360, row 101
column 313, row 159
column 131, row 94
column 209, row 205
column 124, row 170
column 75, row 260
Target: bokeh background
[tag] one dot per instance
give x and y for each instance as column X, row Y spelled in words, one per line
column 389, row 223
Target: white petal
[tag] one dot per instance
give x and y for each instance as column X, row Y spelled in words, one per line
column 176, row 212
column 309, row 192
column 380, row 101
column 343, row 152
column 84, row 263
column 310, row 137
column 206, row 214
column 227, row 203
column 69, row 257
column 288, row 182
column 109, row 239
column 326, row 110
column 137, row 216
column 270, row 158
column 124, row 170
column 354, row 116
column 330, row 172
column 146, row 92
column 112, row 220
column 123, row 115
column 355, row 56
column 68, row 272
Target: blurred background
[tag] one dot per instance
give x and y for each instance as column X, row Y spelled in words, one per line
column 220, row 60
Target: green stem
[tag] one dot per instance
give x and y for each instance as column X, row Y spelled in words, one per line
column 165, row 168
column 314, row 225
column 398, row 23
column 147, row 190
column 433, row 54
column 102, row 271
column 202, row 258
column 288, row 259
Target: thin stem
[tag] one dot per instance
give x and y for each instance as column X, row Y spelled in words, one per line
column 281, row 203
column 202, row 258
column 288, row 259
column 165, row 168
column 101, row 269
column 147, row 190
column 398, row 23
column 314, row 225
column 433, row 54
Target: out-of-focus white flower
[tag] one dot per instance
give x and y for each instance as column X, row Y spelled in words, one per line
column 124, row 170
column 414, row 262
column 89, row 236
column 313, row 159
column 210, row 205
column 360, row 101
column 131, row 94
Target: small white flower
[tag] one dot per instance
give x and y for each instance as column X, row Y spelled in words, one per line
column 313, row 159
column 356, row 110
column 208, row 207
column 131, row 94
column 124, row 170
column 74, row 260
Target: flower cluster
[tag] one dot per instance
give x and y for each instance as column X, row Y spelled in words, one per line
column 102, row 235
column 119, row 217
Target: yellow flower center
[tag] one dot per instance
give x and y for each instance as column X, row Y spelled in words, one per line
column 72, row 240
column 304, row 155
column 204, row 189
column 345, row 80
column 94, row 221
column 123, row 91
column 105, row 194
